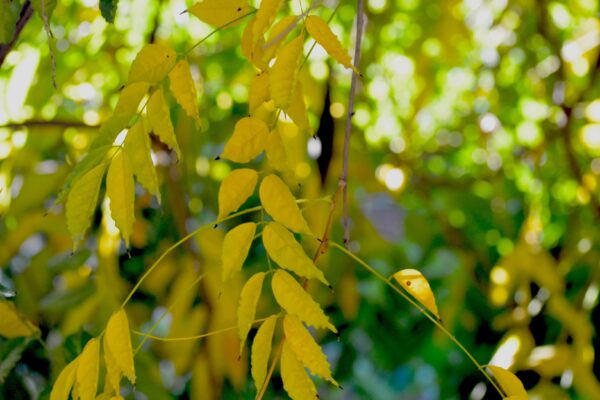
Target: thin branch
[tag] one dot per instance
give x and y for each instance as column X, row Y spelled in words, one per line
column 276, row 356
column 56, row 123
column 24, row 16
column 343, row 182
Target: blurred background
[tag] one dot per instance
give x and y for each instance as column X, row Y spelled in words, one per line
column 475, row 158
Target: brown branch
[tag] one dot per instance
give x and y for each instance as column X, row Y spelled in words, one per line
column 24, row 16
column 343, row 181
column 55, row 123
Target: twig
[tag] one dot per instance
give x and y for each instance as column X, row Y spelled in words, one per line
column 343, row 182
column 276, row 355
column 56, row 123
column 24, row 16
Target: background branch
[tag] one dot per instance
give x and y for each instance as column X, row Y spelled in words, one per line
column 343, row 182
column 24, row 16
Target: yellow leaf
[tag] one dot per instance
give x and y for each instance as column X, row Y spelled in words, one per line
column 120, row 190
column 82, row 200
column 277, row 34
column 296, row 301
column 152, row 64
column 236, row 245
column 305, row 348
column 235, row 190
column 13, row 324
column 288, row 253
column 297, row 109
column 64, row 382
column 261, row 351
column 275, row 151
column 510, row 384
column 251, row 48
column 248, row 140
column 160, row 120
column 415, row 283
column 113, row 372
column 279, row 202
column 130, row 98
column 320, row 31
column 119, row 342
column 219, row 13
column 259, row 91
column 296, row 381
column 137, row 147
column 184, row 88
column 284, row 73
column 264, row 17
column 247, row 308
column 87, row 370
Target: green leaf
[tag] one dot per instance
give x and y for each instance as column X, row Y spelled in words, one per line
column 108, row 9
column 10, row 354
column 44, row 7
column 9, row 15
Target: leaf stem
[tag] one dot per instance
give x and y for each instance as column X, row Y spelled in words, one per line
column 186, row 338
column 422, row 309
column 164, row 314
column 217, row 30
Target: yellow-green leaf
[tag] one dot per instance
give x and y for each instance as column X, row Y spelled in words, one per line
column 219, row 13
column 284, row 73
column 296, row 381
column 113, row 373
column 415, row 283
column 277, row 36
column 264, row 17
column 248, row 140
column 120, row 190
column 87, row 370
column 321, row 32
column 64, row 382
column 82, row 200
column 297, row 109
column 236, row 245
column 296, row 301
column 510, row 384
column 261, row 350
column 259, row 91
column 184, row 88
column 13, row 324
column 305, row 348
column 235, row 190
column 137, row 147
column 160, row 120
column 247, row 308
column 251, row 48
column 152, row 64
column 275, row 151
column 279, row 202
column 130, row 98
column 288, row 253
column 119, row 342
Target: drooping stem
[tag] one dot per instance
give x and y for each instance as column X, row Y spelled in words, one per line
column 187, row 338
column 276, row 357
column 164, row 314
column 343, row 181
column 423, row 310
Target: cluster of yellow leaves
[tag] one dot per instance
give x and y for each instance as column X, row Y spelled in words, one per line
column 80, row 377
column 129, row 157
column 274, row 88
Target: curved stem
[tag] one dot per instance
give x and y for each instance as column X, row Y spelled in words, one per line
column 276, row 356
column 186, row 338
column 217, row 30
column 164, row 314
column 422, row 309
